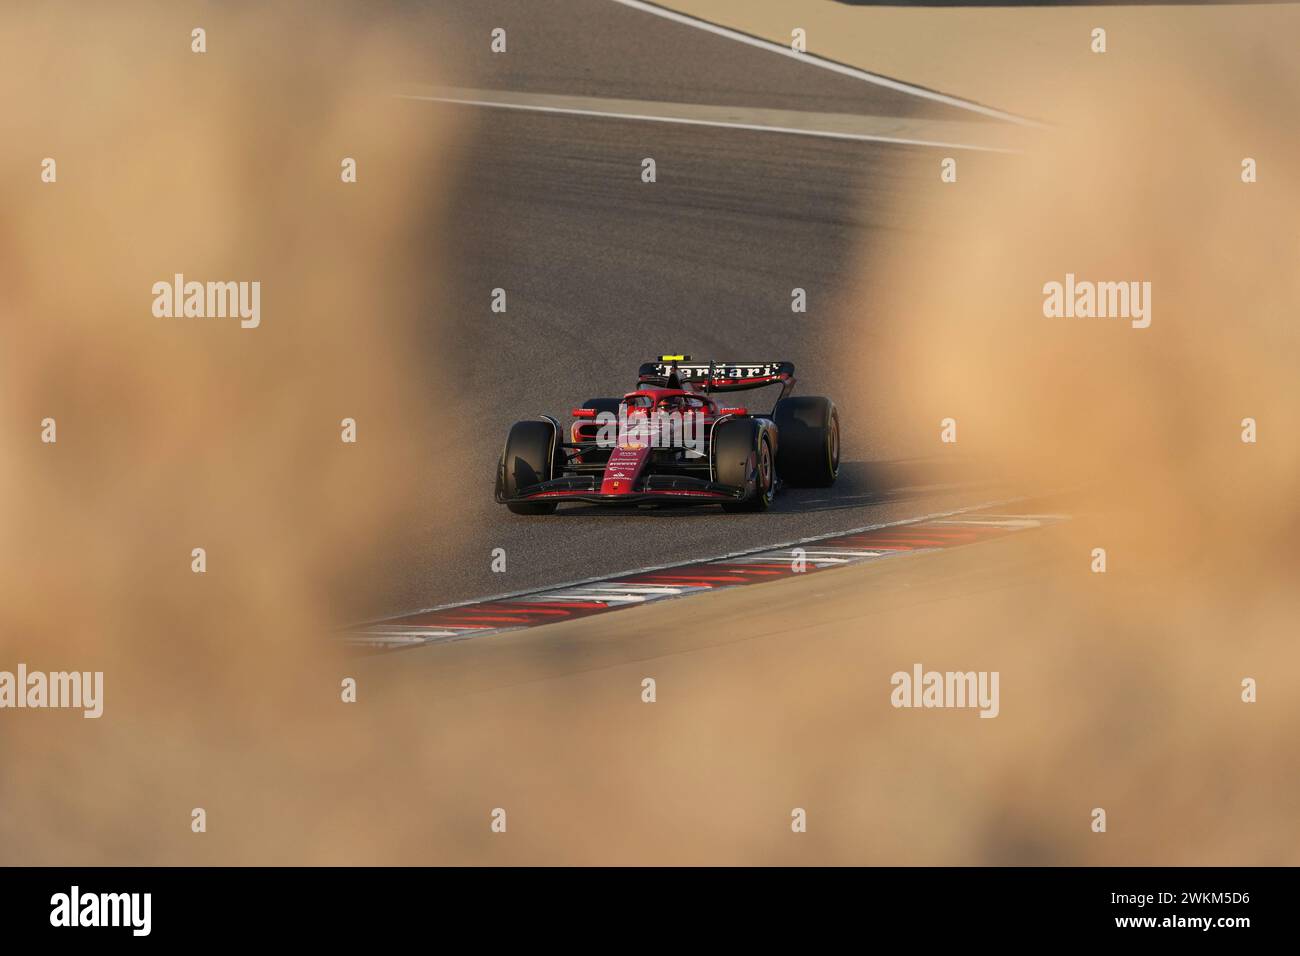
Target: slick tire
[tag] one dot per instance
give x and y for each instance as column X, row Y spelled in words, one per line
column 808, row 441
column 743, row 457
column 531, row 457
column 603, row 405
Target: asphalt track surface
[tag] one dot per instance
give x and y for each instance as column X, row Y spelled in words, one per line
column 603, row 272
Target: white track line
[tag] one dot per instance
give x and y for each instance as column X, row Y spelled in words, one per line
column 613, row 577
column 831, row 65
column 724, row 124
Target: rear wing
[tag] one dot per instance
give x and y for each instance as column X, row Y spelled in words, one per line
column 716, row 376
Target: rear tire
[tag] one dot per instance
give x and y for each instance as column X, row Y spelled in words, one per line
column 531, row 456
column 603, row 405
column 808, row 441
column 743, row 458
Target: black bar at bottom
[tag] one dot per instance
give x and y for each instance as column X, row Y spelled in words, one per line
column 333, row 905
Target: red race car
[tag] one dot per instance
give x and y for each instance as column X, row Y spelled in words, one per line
column 671, row 441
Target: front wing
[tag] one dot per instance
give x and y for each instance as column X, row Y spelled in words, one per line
column 586, row 488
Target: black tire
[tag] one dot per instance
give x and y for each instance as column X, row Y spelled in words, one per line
column 807, row 441
column 603, row 405
column 531, row 456
column 743, row 458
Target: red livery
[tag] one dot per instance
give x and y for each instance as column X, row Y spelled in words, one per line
column 670, row 440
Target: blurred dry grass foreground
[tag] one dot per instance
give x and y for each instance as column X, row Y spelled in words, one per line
column 221, row 691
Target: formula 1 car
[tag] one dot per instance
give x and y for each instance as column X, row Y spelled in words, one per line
column 670, row 441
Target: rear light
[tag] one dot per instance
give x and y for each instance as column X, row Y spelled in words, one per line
column 733, row 411
column 584, row 413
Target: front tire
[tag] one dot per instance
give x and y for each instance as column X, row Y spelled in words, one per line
column 531, row 456
column 743, row 458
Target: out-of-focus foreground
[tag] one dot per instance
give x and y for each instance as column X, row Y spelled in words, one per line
column 222, row 690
